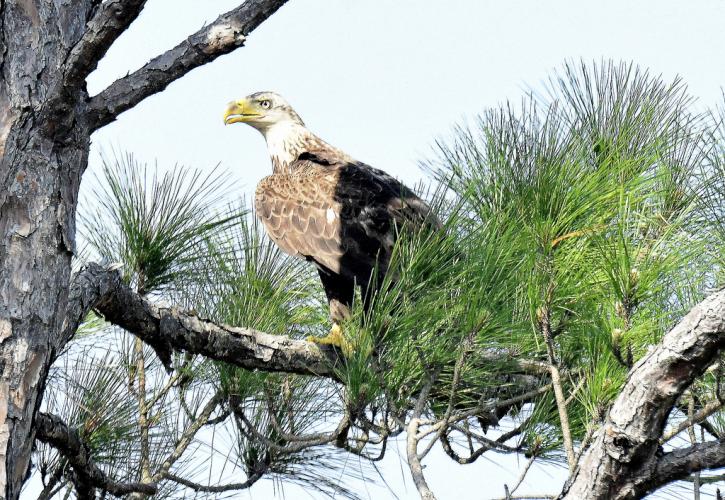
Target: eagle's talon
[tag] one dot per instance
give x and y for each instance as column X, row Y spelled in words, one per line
column 334, row 338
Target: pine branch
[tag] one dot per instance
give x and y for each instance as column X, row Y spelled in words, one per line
column 52, row 430
column 228, row 32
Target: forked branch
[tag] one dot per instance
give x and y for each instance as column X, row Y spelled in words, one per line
column 623, row 461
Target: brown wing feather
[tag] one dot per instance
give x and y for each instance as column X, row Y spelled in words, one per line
column 300, row 214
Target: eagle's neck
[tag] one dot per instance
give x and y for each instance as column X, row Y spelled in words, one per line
column 287, row 140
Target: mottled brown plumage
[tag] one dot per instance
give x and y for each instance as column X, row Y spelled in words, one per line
column 325, row 207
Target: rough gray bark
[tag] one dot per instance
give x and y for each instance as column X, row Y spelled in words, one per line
column 43, row 152
column 625, row 461
column 47, row 48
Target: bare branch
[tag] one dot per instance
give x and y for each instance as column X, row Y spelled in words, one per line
column 52, row 430
column 228, row 32
column 693, row 439
column 472, row 457
column 416, row 469
column 522, row 476
column 301, row 443
column 623, row 459
column 110, row 20
column 707, row 479
column 216, row 489
column 188, row 435
column 143, row 412
column 561, row 402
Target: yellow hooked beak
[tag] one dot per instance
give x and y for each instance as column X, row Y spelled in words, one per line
column 239, row 111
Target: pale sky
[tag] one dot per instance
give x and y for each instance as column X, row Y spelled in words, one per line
column 382, row 79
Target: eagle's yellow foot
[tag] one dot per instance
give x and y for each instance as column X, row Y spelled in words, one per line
column 336, row 338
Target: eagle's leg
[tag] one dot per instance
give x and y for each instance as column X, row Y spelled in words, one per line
column 340, row 292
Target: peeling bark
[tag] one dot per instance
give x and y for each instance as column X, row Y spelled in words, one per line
column 168, row 329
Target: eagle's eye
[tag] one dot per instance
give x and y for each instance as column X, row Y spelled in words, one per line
column 265, row 104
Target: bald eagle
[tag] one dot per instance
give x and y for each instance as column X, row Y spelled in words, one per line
column 322, row 205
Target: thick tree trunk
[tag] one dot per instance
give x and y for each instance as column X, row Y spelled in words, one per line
column 43, row 152
column 47, row 48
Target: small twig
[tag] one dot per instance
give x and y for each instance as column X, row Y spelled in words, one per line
column 188, row 435
column 416, row 469
column 493, row 444
column 698, row 417
column 693, row 440
column 143, row 420
column 522, row 476
column 49, row 489
column 300, row 444
column 707, row 479
column 451, row 399
column 545, row 326
column 473, row 456
column 578, row 386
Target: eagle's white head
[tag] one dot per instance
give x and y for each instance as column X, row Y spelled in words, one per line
column 281, row 126
column 262, row 110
